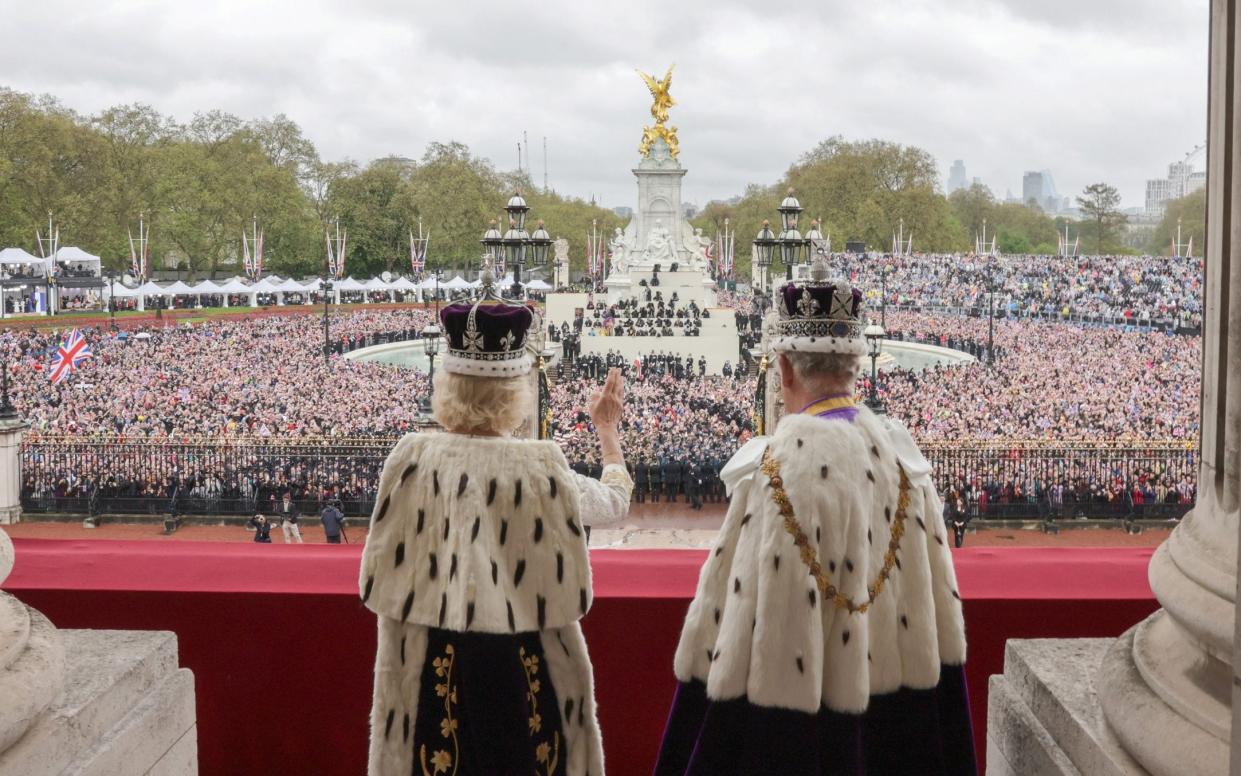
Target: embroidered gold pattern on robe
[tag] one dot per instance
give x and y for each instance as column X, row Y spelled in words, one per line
column 442, row 760
column 547, row 754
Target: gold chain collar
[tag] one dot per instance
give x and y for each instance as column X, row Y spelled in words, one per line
column 809, row 558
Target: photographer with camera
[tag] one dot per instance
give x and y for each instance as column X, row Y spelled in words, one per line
column 262, row 529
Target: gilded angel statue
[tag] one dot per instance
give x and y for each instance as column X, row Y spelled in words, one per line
column 659, row 91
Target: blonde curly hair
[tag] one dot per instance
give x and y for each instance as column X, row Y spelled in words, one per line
column 489, row 404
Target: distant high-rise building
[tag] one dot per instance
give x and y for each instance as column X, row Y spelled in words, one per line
column 956, row 176
column 1039, row 188
column 1032, row 187
column 1182, row 179
column 623, row 212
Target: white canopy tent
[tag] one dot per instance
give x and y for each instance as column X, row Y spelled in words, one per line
column 17, row 256
column 178, row 288
column 456, row 284
column 349, row 284
column 538, row 285
column 75, row 255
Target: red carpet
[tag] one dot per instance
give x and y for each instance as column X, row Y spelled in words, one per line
column 281, row 647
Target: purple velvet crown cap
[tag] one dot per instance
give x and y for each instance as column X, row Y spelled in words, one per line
column 494, row 321
column 793, row 293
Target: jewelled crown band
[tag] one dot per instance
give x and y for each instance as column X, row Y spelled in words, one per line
column 819, row 317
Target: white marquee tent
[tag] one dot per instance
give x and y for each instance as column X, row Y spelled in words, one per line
column 18, row 256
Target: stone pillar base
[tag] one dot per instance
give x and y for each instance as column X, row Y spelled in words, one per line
column 126, row 709
column 1043, row 717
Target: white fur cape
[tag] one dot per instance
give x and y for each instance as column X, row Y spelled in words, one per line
column 481, row 534
column 758, row 626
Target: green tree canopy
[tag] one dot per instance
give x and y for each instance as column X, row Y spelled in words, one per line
column 1191, row 211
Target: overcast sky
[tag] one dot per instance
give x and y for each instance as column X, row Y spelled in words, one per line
column 1093, row 90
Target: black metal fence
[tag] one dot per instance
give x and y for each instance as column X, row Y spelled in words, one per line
column 240, row 476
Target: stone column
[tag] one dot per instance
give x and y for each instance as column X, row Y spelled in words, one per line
column 1166, row 686
column 32, row 660
column 11, row 429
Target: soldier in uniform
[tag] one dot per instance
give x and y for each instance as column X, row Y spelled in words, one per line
column 826, row 634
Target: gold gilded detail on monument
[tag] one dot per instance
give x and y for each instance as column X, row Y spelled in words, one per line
column 661, row 102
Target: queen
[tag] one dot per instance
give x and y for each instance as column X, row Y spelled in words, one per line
column 476, row 566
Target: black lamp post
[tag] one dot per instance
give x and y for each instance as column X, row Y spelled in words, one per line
column 327, row 295
column 874, row 342
column 430, row 346
column 112, row 298
column 764, row 247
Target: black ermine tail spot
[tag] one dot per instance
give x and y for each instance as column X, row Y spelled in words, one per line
column 503, row 532
column 491, row 492
column 495, row 573
column 469, row 614
column 435, row 565
column 435, row 482
column 870, row 475
column 370, row 583
column 452, row 568
column 383, row 509
column 443, row 607
column 538, row 530
column 581, row 600
column 517, row 494
column 560, row 567
column 552, row 481
column 542, row 604
column 400, row 554
column 422, row 518
column 823, row 472
column 474, row 530
column 573, row 527
column 388, row 724
column 512, row 624
column 801, row 666
column 814, row 598
column 845, row 637
column 465, row 480
column 409, row 604
column 519, row 572
column 413, row 467
column 447, row 522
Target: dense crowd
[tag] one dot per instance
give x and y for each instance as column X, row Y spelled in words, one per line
column 264, row 378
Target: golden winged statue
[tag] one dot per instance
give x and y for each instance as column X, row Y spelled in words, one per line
column 659, row 91
column 659, row 110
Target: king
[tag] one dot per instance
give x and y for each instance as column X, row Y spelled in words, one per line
column 826, row 634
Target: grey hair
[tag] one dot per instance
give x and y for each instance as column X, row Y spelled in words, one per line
column 467, row 403
column 812, row 370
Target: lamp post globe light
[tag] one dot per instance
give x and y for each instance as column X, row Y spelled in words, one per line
column 874, row 335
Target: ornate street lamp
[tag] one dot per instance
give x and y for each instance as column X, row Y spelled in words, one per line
column 874, row 335
column 764, row 246
column 516, row 245
column 793, row 247
column 430, row 346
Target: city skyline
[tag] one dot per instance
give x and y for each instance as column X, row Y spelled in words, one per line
column 971, row 82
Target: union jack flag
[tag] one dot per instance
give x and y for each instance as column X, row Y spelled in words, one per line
column 69, row 356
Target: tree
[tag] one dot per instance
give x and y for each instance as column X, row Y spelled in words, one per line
column 1100, row 203
column 1191, row 211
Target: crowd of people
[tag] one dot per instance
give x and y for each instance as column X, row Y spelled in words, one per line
column 264, row 379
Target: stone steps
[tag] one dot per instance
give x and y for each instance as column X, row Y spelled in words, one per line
column 126, row 709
